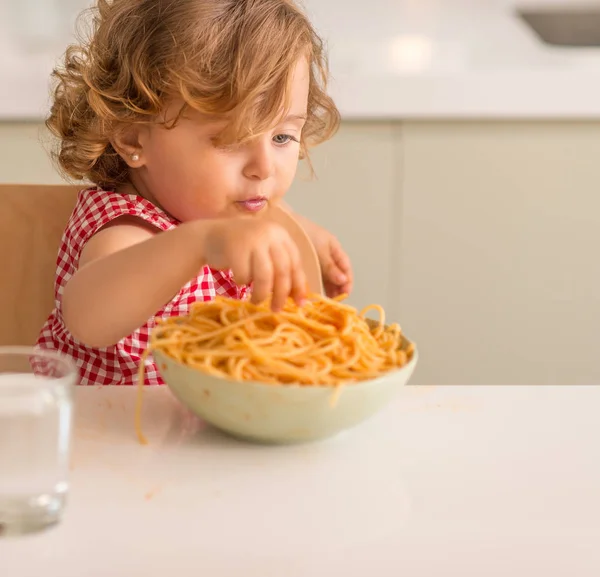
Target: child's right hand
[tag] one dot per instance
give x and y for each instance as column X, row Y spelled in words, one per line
column 260, row 252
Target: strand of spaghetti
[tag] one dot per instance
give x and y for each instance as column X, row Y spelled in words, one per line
column 349, row 362
column 339, row 298
column 310, row 324
column 220, row 331
column 140, row 398
column 335, row 398
column 238, row 370
column 276, row 335
column 381, row 312
column 276, row 366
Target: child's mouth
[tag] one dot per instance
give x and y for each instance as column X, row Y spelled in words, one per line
column 252, row 204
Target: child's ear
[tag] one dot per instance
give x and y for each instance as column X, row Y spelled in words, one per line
column 127, row 143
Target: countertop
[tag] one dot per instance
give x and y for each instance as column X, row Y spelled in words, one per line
column 390, row 59
column 466, row 481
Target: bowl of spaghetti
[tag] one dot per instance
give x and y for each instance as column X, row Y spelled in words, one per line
column 302, row 374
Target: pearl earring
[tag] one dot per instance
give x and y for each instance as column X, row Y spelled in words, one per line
column 135, row 157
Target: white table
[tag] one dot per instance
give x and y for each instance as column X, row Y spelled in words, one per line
column 446, row 481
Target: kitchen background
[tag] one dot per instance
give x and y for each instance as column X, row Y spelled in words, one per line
column 464, row 181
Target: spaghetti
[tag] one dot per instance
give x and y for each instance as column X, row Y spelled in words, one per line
column 325, row 342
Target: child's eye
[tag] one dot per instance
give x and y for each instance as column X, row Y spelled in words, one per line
column 283, row 139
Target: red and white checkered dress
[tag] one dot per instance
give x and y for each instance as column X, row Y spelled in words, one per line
column 118, row 364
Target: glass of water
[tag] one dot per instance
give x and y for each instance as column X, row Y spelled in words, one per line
column 36, row 399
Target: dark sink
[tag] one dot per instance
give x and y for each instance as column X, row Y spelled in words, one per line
column 564, row 27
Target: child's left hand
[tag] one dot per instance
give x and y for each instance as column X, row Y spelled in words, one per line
column 335, row 263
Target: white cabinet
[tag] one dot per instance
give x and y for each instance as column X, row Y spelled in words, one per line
column 25, row 152
column 354, row 195
column 498, row 278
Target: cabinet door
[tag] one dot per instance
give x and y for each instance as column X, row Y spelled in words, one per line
column 352, row 195
column 25, row 152
column 498, row 276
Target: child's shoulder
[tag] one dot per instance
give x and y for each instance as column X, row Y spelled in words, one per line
column 94, row 197
column 97, row 207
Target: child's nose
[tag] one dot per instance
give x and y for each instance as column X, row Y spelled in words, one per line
column 260, row 163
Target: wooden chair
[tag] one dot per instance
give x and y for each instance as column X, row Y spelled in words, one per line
column 32, row 220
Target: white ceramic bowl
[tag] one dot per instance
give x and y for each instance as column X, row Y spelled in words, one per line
column 279, row 413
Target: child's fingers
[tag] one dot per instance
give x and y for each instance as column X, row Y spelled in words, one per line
column 282, row 279
column 342, row 261
column 262, row 275
column 242, row 269
column 333, row 290
column 334, row 263
column 342, row 274
column 298, row 276
column 345, row 287
column 333, row 273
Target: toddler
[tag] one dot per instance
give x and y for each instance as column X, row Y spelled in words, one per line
column 189, row 118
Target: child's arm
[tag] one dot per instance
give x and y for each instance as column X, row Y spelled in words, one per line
column 129, row 272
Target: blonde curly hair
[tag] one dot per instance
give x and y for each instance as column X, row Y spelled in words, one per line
column 225, row 58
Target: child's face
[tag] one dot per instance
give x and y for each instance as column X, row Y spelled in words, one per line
column 182, row 171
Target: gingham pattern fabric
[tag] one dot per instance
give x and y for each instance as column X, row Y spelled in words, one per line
column 118, row 365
